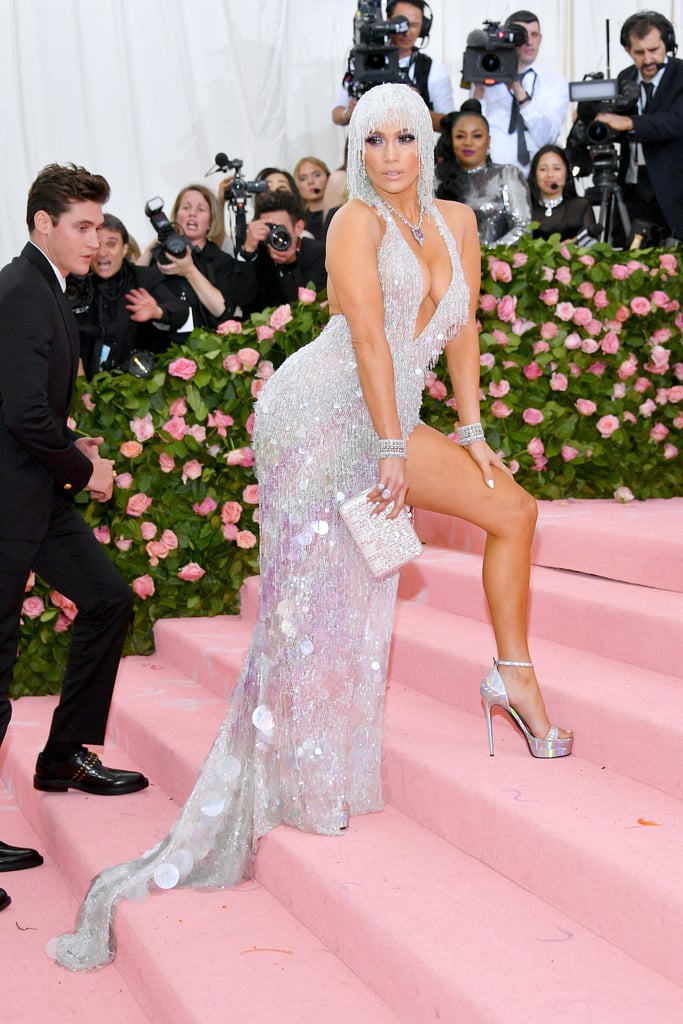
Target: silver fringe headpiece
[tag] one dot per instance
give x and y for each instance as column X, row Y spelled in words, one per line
column 382, row 105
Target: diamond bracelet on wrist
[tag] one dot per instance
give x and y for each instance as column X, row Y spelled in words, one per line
column 392, row 448
column 469, row 433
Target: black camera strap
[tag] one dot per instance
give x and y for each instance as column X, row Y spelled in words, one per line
column 422, row 64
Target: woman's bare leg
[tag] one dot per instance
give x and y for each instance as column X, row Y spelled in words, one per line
column 443, row 478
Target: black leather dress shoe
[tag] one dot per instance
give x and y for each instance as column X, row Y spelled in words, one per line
column 4, row 899
column 85, row 771
column 16, row 858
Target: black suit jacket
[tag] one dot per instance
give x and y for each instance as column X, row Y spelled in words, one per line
column 276, row 285
column 39, row 464
column 661, row 133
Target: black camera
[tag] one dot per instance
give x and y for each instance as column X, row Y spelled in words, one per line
column 373, row 60
column 590, row 143
column 171, row 240
column 239, row 187
column 279, row 237
column 491, row 54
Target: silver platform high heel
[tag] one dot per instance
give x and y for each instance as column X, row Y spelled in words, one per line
column 493, row 693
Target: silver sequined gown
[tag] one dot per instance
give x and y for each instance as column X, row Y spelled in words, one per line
column 303, row 732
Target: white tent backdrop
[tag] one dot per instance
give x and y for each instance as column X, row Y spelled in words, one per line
column 146, row 92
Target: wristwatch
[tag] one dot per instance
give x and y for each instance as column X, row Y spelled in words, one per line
column 248, row 257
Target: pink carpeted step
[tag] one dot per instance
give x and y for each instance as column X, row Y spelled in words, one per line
column 639, row 542
column 634, row 624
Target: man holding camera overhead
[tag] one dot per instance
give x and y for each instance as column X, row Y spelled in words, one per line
column 652, row 139
column 276, row 260
column 528, row 113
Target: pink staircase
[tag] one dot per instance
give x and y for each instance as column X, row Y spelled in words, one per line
column 490, row 890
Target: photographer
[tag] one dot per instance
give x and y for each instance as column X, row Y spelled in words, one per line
column 529, row 112
column 430, row 77
column 121, row 308
column 652, row 151
column 205, row 278
column 275, row 259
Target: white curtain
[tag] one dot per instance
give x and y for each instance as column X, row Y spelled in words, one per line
column 147, row 92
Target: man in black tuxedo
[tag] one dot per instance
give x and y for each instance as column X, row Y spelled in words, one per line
column 652, row 151
column 42, row 465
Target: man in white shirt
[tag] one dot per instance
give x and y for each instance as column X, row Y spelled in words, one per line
column 528, row 113
column 430, row 77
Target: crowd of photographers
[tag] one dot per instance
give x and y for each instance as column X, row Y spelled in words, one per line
column 500, row 153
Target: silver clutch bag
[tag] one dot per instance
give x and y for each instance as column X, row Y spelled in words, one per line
column 386, row 544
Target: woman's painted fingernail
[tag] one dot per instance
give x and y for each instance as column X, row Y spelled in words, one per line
column 489, row 483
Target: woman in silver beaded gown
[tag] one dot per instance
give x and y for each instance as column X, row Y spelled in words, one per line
column 301, row 742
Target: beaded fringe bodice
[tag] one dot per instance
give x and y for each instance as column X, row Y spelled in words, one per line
column 302, row 737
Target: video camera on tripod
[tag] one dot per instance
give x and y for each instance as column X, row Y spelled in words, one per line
column 373, row 59
column 590, row 144
column 237, row 194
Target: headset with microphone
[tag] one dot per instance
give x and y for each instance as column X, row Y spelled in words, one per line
column 427, row 15
column 658, row 21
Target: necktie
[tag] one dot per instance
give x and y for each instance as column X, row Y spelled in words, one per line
column 517, row 125
column 648, row 89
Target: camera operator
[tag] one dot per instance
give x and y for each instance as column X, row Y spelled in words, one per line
column 430, row 77
column 652, row 151
column 121, row 308
column 205, row 278
column 276, row 259
column 529, row 112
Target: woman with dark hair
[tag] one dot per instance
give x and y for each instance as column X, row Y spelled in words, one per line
column 497, row 193
column 554, row 202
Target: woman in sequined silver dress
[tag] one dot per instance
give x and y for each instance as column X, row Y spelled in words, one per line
column 301, row 742
column 498, row 193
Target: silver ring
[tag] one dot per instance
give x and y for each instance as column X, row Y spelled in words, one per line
column 386, row 494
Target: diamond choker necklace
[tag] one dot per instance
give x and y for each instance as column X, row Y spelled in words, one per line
column 550, row 205
column 415, row 229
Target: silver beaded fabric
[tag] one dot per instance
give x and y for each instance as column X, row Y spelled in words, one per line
column 302, row 737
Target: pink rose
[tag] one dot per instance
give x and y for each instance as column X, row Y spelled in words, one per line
column 206, row 507
column 62, row 624
column 176, row 427
column 198, row 432
column 628, row 417
column 250, row 494
column 589, row 345
column 623, row 494
column 183, row 368
column 541, row 346
column 232, row 364
column 33, row 607
column 156, row 549
column 620, row 272
column 585, row 406
column 659, row 432
column 574, row 369
column 549, row 330
column 565, row 253
column 130, row 449
column 572, row 341
column 166, row 463
column 280, row 317
column 641, row 385
column 124, row 481
column 265, row 370
column 519, row 259
column 231, row 512
column 660, row 299
column 220, row 421
column 500, row 270
column 500, row 410
column 64, row 604
column 600, row 299
column 240, row 457
column 659, row 359
column 670, row 451
column 640, row 305
column 607, row 425
column 263, row 333
column 500, row 389
column 229, row 327
column 558, row 382
column 533, row 371
column 500, row 336
column 582, row 316
column 622, row 315
column 169, row 538
column 675, row 394
column 192, row 470
column 506, row 308
column 230, row 531
column 142, row 427
column 487, row 303
column 143, row 586
column 610, row 343
column 138, row 504
column 568, row 453
column 148, row 530
column 102, row 534
column 563, row 275
column 487, row 360
column 550, row 296
column 647, row 408
column 667, row 261
column 86, row 398
column 547, row 274
column 178, row 407
column 532, row 417
column 565, row 311
column 586, row 290
column 619, row 390
column 438, row 390
column 248, row 357
column 597, row 368
column 662, row 396
column 535, row 448
column 190, row 572
column 123, row 543
column 513, row 466
column 249, row 425
column 587, row 260
column 306, row 295
column 628, row 367
column 661, row 336
column 246, row 539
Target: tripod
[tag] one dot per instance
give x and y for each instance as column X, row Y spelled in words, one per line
column 613, row 220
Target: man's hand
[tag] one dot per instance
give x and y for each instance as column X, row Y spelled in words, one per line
column 142, row 306
column 257, row 231
column 89, row 446
column 101, row 483
column 617, row 122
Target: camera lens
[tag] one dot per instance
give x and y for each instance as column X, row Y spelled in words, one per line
column 490, row 62
column 597, row 131
column 279, row 237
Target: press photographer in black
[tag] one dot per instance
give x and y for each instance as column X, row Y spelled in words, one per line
column 276, row 260
column 121, row 308
column 651, row 140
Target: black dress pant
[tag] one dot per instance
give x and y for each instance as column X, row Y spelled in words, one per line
column 72, row 561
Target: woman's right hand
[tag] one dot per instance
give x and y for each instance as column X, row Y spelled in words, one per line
column 392, row 486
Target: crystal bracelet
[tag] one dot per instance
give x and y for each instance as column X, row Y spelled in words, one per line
column 471, row 432
column 392, row 448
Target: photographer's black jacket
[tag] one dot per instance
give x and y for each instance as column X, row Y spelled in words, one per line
column 103, row 321
column 276, row 284
column 223, row 271
column 661, row 133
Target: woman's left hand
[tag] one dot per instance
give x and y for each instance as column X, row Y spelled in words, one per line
column 177, row 265
column 487, row 460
